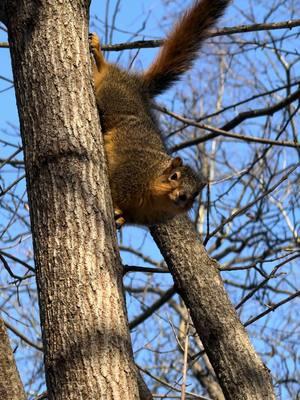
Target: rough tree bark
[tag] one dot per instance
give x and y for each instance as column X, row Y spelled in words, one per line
column 84, row 325
column 10, row 383
column 241, row 373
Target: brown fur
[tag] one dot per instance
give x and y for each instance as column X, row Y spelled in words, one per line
column 182, row 44
column 148, row 186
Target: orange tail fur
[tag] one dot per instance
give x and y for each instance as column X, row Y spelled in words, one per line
column 182, row 44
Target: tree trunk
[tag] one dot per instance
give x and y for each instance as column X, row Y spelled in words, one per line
column 241, row 373
column 86, row 339
column 10, row 383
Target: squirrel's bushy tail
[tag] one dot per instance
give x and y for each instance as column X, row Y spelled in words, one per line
column 182, row 44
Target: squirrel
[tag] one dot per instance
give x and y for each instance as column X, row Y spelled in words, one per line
column 148, row 185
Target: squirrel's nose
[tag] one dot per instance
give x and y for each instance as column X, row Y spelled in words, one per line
column 181, row 199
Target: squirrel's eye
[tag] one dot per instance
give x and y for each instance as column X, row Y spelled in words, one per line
column 174, row 176
column 182, row 197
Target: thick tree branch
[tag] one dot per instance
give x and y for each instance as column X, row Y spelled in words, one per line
column 3, row 16
column 241, row 373
column 144, row 391
column 85, row 331
column 10, row 383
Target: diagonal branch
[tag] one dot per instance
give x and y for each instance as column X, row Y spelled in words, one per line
column 249, row 205
column 10, row 383
column 262, row 111
column 272, row 308
column 215, row 132
column 155, row 306
column 23, row 337
column 225, row 340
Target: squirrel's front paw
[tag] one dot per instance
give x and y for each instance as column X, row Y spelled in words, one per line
column 119, row 219
column 94, row 42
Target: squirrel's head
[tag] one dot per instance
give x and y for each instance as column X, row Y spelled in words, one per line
column 179, row 185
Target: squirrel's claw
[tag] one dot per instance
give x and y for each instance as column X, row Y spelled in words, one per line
column 94, row 42
column 119, row 223
column 119, row 219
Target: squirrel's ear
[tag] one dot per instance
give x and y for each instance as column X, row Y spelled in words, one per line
column 176, row 162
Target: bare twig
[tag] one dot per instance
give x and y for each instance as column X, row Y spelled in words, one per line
column 243, row 209
column 9, row 270
column 6, row 190
column 150, row 310
column 9, row 159
column 193, row 395
column 23, row 337
column 144, row 44
column 264, row 281
column 18, row 260
column 185, row 360
column 233, row 123
column 272, row 308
